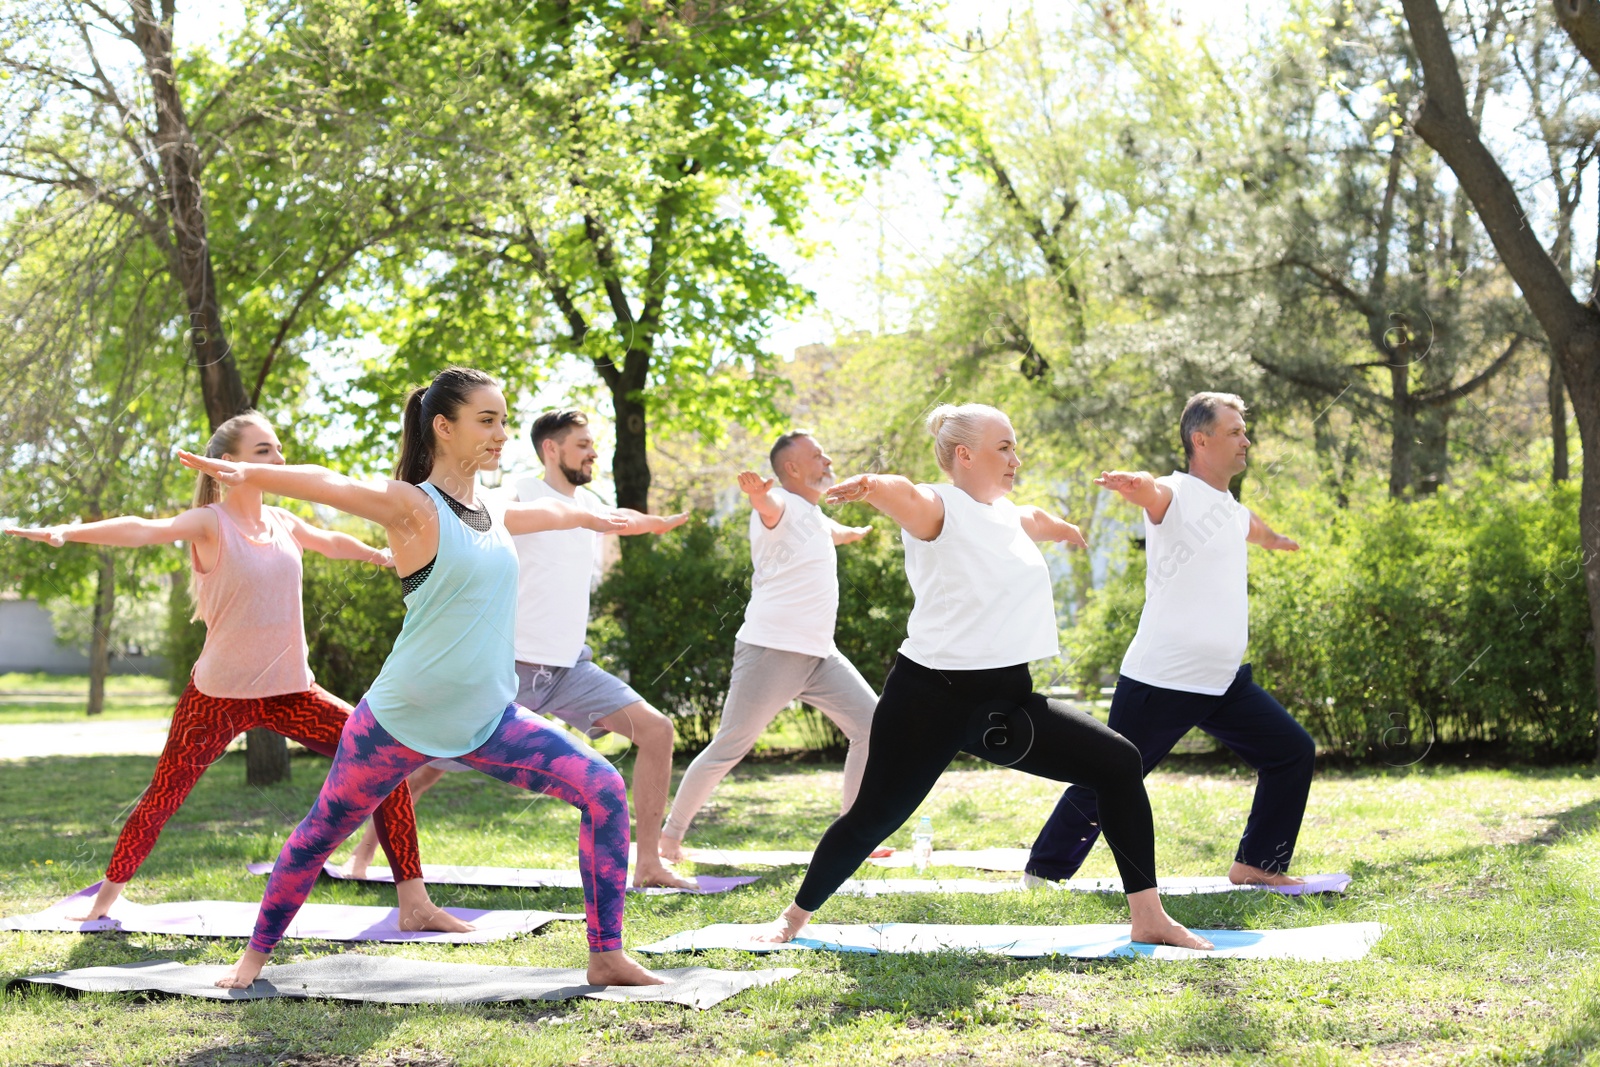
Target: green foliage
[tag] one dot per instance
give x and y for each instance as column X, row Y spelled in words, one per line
column 353, row 615
column 668, row 615
column 1460, row 619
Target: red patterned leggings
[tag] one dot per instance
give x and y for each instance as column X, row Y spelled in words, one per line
column 201, row 730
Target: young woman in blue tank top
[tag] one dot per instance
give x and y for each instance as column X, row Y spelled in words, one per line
column 446, row 689
column 983, row 610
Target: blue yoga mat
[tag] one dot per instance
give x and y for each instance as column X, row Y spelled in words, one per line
column 1335, row 942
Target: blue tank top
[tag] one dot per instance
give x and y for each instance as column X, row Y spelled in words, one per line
column 452, row 670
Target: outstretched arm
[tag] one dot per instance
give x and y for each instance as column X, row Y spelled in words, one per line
column 389, row 504
column 844, row 535
column 540, row 516
column 336, row 545
column 1141, row 488
column 759, row 491
column 917, row 508
column 1265, row 536
column 126, row 531
column 1040, row 525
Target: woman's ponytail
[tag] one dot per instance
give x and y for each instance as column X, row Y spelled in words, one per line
column 416, row 441
column 442, row 396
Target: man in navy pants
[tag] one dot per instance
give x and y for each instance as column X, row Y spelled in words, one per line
column 1185, row 666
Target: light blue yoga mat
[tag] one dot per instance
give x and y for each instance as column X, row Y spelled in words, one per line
column 1338, row 942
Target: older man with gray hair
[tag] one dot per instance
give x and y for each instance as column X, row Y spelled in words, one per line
column 784, row 651
column 1185, row 666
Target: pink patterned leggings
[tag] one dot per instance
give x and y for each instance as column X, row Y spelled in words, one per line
column 524, row 750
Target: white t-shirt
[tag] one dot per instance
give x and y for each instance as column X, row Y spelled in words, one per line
column 794, row 599
column 556, row 571
column 983, row 596
column 1196, row 619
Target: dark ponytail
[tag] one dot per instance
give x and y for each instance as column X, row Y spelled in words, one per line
column 443, row 396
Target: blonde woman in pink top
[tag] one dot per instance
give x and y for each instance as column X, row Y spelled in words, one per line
column 253, row 670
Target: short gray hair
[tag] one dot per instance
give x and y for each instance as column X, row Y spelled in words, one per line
column 781, row 446
column 1200, row 415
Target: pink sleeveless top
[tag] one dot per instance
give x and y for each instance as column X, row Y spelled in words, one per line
column 250, row 602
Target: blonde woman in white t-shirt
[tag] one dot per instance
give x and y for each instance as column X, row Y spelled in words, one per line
column 983, row 610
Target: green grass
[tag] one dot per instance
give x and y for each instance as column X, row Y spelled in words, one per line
column 50, row 698
column 1487, row 880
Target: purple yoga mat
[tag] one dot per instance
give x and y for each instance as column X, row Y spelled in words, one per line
column 514, row 878
column 1180, row 886
column 235, row 918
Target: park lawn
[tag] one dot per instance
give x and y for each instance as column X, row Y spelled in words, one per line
column 53, row 698
column 1486, row 878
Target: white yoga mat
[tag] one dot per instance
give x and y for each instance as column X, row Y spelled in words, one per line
column 237, row 918
column 983, row 859
column 390, row 980
column 1338, row 942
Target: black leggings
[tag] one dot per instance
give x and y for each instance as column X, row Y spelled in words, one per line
column 926, row 716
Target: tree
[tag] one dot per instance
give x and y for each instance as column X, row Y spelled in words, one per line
column 1557, row 81
column 1571, row 325
column 91, row 442
column 624, row 156
column 98, row 115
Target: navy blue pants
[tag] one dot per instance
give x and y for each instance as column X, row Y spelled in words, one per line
column 1246, row 719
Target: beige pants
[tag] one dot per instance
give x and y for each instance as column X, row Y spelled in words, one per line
column 765, row 681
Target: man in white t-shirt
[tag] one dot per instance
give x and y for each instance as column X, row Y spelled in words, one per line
column 1185, row 666
column 784, row 651
column 556, row 672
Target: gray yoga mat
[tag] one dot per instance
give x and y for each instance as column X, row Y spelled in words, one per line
column 1334, row 942
column 235, row 918
column 515, row 878
column 388, row 980
column 1170, row 887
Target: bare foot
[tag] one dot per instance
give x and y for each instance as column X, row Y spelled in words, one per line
column 670, row 849
column 434, row 918
column 1170, row 932
column 362, row 857
column 1152, row 925
column 245, row 971
column 617, row 968
column 649, row 875
column 352, row 869
column 107, row 896
column 1244, row 874
column 786, row 927
column 418, row 912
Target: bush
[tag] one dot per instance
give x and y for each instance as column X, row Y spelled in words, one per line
column 668, row 612
column 1461, row 619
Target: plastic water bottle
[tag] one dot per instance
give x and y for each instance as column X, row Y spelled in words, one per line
column 922, row 844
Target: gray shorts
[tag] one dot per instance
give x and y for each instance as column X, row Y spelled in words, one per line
column 578, row 695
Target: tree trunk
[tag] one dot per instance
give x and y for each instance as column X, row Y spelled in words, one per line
column 1588, row 411
column 630, row 463
column 1433, row 449
column 1558, row 423
column 266, row 758
column 1403, row 431
column 1573, row 328
column 221, row 386
column 105, row 605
